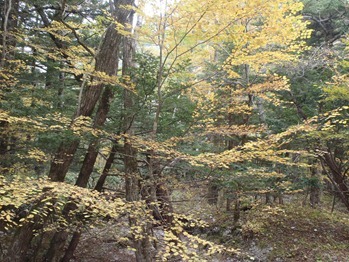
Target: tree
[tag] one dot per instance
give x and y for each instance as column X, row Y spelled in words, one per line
column 107, row 64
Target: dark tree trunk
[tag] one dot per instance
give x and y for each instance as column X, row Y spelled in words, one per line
column 19, row 248
column 268, row 198
column 213, row 192
column 57, row 245
column 4, row 146
column 62, row 160
column 72, row 246
column 106, row 62
column 132, row 175
column 237, row 208
column 314, row 188
column 92, row 152
column 229, row 201
column 281, row 198
column 107, row 166
column 59, row 239
column 9, row 24
column 336, row 176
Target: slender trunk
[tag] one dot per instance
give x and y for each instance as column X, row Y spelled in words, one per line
column 72, row 246
column 60, row 90
column 4, row 146
column 8, row 26
column 213, row 192
column 8, row 43
column 237, row 208
column 314, row 188
column 107, row 166
column 281, row 198
column 268, row 198
column 132, row 175
column 229, row 201
column 157, row 189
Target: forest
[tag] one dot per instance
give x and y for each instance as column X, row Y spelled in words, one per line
column 174, row 130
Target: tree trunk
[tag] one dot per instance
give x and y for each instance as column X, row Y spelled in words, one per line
column 314, row 188
column 19, row 248
column 106, row 62
column 59, row 239
column 228, row 203
column 268, row 198
column 56, row 248
column 123, row 17
column 281, row 198
column 335, row 175
column 72, row 246
column 132, row 175
column 92, row 152
column 237, row 208
column 107, row 166
column 213, row 192
column 9, row 24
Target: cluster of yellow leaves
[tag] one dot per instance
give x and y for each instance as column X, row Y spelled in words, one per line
column 26, row 200
column 267, row 149
column 339, row 89
column 189, row 247
column 233, row 130
column 271, row 32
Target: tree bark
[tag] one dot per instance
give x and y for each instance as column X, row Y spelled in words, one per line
column 106, row 62
column 72, row 246
column 107, row 166
column 132, row 174
column 9, row 24
column 213, row 191
column 314, row 188
column 335, row 175
column 19, row 248
column 92, row 152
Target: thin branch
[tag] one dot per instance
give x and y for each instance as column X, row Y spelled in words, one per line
column 78, row 39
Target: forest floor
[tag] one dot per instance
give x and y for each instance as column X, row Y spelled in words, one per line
column 289, row 232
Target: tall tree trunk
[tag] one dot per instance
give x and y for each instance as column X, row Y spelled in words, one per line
column 132, row 174
column 9, row 24
column 106, row 62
